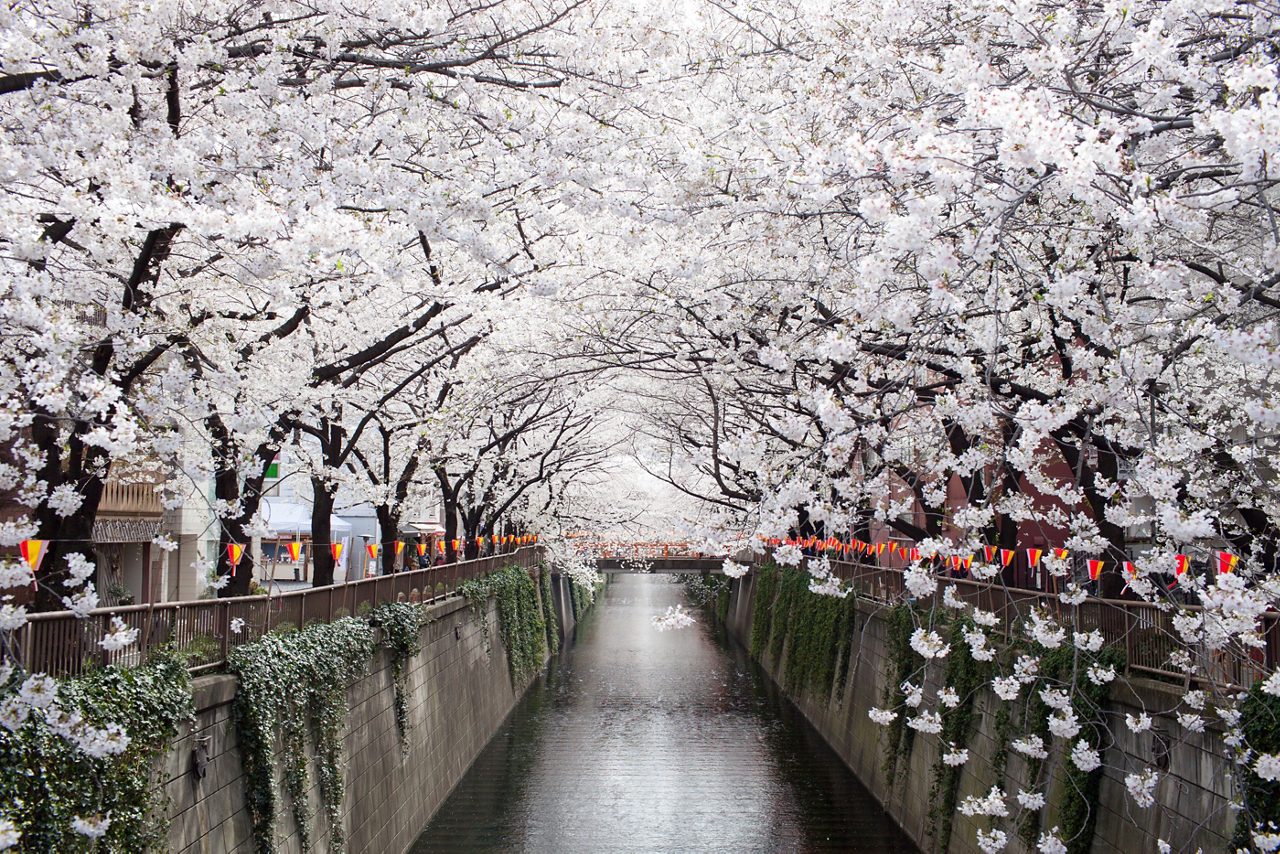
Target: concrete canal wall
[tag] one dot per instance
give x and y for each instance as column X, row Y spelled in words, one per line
column 458, row 696
column 1191, row 810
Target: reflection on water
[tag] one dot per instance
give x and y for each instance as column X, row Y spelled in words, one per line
column 639, row 740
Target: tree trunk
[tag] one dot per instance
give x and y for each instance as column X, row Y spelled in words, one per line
column 389, row 531
column 449, row 503
column 471, row 530
column 86, row 468
column 322, row 533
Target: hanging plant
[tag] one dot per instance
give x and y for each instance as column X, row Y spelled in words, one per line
column 550, row 618
column 80, row 776
column 964, row 675
column 904, row 663
column 766, row 593
column 1260, row 725
column 520, row 622
column 291, row 685
column 401, row 624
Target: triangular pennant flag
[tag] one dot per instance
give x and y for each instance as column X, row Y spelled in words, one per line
column 915, row 555
column 294, row 549
column 990, row 552
column 33, row 552
column 1130, row 574
column 440, row 547
column 235, row 551
column 1061, row 554
column 422, row 549
column 335, row 549
column 1095, row 569
column 1227, row 562
column 879, row 549
column 372, row 549
column 968, row 563
column 455, row 544
column 399, row 547
column 1006, row 556
column 1033, row 557
column 1180, row 564
column 893, row 548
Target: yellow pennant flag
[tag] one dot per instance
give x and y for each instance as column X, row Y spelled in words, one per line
column 33, row 552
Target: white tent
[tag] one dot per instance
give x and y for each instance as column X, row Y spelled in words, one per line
column 289, row 517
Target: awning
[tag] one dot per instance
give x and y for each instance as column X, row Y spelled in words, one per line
column 424, row 527
column 290, row 517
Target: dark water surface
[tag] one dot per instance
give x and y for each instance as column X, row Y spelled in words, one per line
column 646, row 741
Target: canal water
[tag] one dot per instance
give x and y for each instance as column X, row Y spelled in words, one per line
column 646, row 741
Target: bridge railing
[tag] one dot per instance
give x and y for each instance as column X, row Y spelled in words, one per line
column 61, row 644
column 1143, row 630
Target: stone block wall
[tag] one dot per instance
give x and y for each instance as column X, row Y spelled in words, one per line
column 459, row 693
column 1192, row 809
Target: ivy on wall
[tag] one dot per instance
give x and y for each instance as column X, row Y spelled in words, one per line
column 964, row 675
column 582, row 596
column 766, row 591
column 1260, row 724
column 812, row 636
column 904, row 662
column 292, row 685
column 47, row 783
column 549, row 616
column 1079, row 800
column 520, row 621
column 814, row 631
column 401, row 624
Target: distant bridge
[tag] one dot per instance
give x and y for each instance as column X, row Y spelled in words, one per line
column 661, row 564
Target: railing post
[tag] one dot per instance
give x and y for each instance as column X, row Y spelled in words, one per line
column 225, row 628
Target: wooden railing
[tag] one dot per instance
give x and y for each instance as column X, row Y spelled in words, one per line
column 207, row 630
column 1144, row 630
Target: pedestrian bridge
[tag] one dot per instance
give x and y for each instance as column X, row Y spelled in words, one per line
column 661, row 564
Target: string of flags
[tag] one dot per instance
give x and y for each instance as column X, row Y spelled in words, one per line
column 33, row 551
column 1226, row 562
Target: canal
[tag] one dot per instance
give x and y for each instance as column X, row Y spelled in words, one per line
column 639, row 740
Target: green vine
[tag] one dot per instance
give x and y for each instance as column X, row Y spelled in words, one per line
column 766, row 591
column 1079, row 802
column 1079, row 791
column 1260, row 724
column 815, row 644
column 524, row 632
column 46, row 782
column 964, row 675
column 815, row 630
column 791, row 587
column 291, row 684
column 904, row 662
column 582, row 596
column 845, row 629
column 401, row 624
column 549, row 616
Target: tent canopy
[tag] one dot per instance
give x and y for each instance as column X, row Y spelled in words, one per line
column 289, row 517
column 424, row 527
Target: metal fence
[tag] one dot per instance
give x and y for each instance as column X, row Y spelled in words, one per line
column 1144, row 630
column 62, row 644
